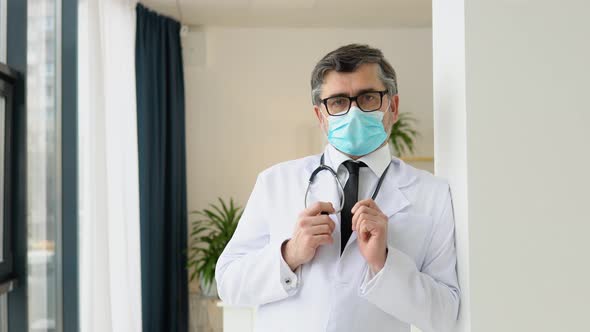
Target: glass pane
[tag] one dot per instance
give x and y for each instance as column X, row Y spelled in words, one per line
column 43, row 166
column 3, row 32
column 3, row 313
column 2, row 133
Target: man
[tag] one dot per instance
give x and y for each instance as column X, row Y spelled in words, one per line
column 386, row 261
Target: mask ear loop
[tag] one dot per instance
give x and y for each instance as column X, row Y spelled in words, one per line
column 390, row 127
column 326, row 122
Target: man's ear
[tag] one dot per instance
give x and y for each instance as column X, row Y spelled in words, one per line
column 395, row 108
column 318, row 114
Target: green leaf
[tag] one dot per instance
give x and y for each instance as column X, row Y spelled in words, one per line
column 198, row 230
column 193, row 275
column 210, row 232
column 403, row 134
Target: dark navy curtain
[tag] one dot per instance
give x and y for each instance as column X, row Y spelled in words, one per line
column 162, row 172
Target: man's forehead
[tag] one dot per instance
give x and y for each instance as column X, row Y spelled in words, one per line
column 365, row 77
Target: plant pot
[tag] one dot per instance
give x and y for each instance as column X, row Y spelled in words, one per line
column 208, row 290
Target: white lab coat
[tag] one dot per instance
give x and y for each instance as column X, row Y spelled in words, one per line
column 418, row 284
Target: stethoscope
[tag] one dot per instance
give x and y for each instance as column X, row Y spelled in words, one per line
column 324, row 167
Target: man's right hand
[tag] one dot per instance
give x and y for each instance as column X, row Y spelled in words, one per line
column 313, row 229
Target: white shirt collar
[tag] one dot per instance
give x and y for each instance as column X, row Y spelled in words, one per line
column 377, row 160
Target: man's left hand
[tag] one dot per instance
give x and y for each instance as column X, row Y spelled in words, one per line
column 371, row 227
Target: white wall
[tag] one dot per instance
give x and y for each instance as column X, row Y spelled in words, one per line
column 450, row 139
column 248, row 98
column 511, row 118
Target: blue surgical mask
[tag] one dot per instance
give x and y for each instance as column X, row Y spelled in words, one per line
column 357, row 133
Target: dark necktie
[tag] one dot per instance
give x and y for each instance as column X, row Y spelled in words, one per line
column 351, row 193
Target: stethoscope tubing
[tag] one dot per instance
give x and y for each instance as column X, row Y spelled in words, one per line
column 325, row 167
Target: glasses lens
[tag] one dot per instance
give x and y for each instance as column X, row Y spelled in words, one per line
column 369, row 101
column 337, row 105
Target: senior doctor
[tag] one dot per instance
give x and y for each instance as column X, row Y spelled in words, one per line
column 386, row 260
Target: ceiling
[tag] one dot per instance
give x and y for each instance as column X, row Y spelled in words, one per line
column 298, row 13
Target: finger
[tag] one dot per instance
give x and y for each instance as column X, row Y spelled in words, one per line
column 362, row 234
column 318, row 220
column 366, row 228
column 361, row 217
column 366, row 202
column 366, row 210
column 322, row 239
column 365, row 213
column 317, row 208
column 321, row 229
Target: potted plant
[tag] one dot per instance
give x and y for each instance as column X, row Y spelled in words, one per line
column 403, row 135
column 210, row 233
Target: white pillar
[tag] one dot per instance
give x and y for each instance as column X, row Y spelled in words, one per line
column 512, row 133
column 450, row 136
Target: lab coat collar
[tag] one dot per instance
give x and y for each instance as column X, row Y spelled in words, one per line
column 377, row 161
column 391, row 198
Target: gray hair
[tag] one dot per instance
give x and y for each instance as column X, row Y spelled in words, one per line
column 347, row 59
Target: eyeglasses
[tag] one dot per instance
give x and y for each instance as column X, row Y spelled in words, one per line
column 367, row 102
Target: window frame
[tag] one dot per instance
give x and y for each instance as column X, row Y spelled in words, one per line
column 69, row 165
column 8, row 79
column 16, row 58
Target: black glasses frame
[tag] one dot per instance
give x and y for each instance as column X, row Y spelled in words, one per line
column 351, row 99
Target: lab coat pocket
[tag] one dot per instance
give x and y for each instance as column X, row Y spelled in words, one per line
column 409, row 233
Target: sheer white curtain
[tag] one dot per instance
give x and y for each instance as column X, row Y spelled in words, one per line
column 110, row 270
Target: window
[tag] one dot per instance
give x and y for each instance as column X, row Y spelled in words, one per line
column 3, row 314
column 7, row 80
column 2, row 127
column 3, row 32
column 2, row 142
column 3, row 304
column 43, row 166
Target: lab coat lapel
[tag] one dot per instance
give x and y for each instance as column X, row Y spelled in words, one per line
column 391, row 198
